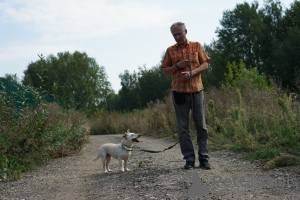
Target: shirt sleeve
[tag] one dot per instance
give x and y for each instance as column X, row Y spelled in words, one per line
column 167, row 61
column 203, row 57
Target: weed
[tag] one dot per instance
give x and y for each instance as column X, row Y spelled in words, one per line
column 250, row 116
column 31, row 135
column 282, row 160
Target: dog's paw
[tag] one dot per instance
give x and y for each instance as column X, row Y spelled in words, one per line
column 109, row 170
column 127, row 169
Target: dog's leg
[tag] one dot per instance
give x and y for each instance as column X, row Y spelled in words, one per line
column 125, row 165
column 108, row 158
column 104, row 167
column 121, row 164
column 103, row 158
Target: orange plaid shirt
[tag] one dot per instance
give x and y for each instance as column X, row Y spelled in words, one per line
column 194, row 52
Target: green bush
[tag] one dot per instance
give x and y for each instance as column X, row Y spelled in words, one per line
column 259, row 119
column 30, row 136
column 251, row 116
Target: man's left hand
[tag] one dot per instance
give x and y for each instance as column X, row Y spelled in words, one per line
column 185, row 76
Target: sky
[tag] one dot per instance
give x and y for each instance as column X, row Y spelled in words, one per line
column 119, row 34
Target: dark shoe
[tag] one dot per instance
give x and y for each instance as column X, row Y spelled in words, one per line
column 204, row 164
column 189, row 165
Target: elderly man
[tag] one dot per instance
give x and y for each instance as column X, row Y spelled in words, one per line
column 186, row 61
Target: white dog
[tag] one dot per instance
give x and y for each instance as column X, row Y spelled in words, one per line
column 120, row 151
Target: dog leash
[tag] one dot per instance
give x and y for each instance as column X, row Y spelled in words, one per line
column 151, row 151
column 191, row 87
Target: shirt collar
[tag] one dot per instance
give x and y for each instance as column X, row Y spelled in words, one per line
column 187, row 43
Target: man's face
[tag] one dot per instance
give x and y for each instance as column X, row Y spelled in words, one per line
column 179, row 35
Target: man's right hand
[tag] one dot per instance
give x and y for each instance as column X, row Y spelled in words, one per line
column 183, row 64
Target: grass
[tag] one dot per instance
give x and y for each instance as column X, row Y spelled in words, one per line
column 261, row 122
column 32, row 135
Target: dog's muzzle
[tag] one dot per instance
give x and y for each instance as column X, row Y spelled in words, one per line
column 136, row 139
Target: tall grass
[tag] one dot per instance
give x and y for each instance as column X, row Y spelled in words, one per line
column 31, row 136
column 157, row 120
column 256, row 118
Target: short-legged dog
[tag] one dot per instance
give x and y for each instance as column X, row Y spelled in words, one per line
column 120, row 151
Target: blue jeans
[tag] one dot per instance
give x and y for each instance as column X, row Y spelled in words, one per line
column 183, row 124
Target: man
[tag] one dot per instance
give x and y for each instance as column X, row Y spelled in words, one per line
column 186, row 61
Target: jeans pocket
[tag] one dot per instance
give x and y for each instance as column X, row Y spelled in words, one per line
column 179, row 97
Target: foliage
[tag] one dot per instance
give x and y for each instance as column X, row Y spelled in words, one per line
column 129, row 97
column 234, row 73
column 238, row 77
column 283, row 160
column 253, row 116
column 12, row 78
column 157, row 119
column 31, row 135
column 263, row 123
column 15, row 91
column 154, row 85
column 75, row 79
column 139, row 88
column 267, row 40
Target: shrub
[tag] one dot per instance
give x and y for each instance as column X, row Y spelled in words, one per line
column 252, row 117
column 30, row 136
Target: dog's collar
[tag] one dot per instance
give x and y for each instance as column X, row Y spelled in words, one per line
column 124, row 145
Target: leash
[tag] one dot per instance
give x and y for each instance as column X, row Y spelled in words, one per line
column 151, row 151
column 191, row 87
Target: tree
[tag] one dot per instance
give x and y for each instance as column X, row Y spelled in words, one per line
column 139, row 88
column 238, row 35
column 272, row 40
column 12, row 78
column 289, row 61
column 238, row 38
column 74, row 79
column 215, row 73
column 266, row 39
column 35, row 75
column 129, row 93
column 234, row 72
column 153, row 84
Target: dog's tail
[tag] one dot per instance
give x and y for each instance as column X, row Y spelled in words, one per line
column 97, row 157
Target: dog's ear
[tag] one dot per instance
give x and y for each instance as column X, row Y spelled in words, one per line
column 125, row 134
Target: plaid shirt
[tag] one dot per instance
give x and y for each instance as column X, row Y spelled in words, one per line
column 194, row 52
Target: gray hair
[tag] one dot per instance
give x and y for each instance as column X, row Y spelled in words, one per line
column 177, row 24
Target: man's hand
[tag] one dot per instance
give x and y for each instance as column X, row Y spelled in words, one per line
column 183, row 64
column 180, row 65
column 185, row 75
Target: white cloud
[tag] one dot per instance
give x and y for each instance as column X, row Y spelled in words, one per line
column 76, row 19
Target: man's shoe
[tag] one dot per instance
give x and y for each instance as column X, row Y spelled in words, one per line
column 189, row 165
column 204, row 164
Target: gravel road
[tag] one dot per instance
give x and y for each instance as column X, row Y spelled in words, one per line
column 152, row 176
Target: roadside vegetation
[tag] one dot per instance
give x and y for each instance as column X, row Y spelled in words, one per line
column 33, row 134
column 248, row 114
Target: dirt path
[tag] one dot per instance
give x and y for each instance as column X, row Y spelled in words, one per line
column 153, row 176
